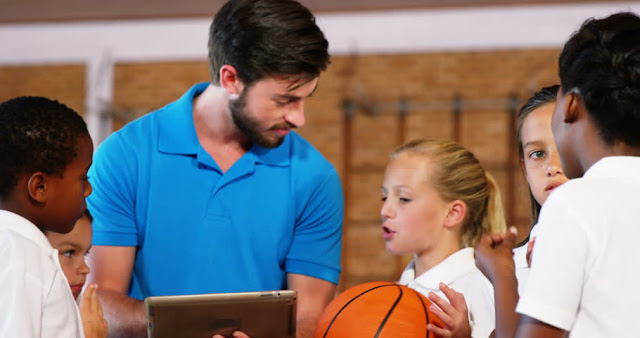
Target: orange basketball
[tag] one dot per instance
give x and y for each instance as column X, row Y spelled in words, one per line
column 377, row 309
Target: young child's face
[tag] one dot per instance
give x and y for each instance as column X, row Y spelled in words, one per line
column 66, row 198
column 72, row 248
column 541, row 161
column 412, row 211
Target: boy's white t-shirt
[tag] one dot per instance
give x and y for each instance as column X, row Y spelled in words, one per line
column 583, row 277
column 460, row 273
column 35, row 298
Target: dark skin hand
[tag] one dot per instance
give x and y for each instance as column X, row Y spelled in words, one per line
column 494, row 258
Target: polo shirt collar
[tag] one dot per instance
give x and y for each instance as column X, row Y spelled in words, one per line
column 448, row 271
column 24, row 228
column 280, row 156
column 177, row 133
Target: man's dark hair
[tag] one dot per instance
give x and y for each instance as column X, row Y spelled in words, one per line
column 602, row 60
column 262, row 38
column 36, row 134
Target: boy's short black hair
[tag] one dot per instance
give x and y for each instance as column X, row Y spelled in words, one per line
column 602, row 60
column 36, row 134
column 262, row 38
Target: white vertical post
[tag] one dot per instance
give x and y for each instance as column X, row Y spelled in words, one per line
column 99, row 95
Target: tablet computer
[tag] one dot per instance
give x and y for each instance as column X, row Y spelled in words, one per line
column 258, row 314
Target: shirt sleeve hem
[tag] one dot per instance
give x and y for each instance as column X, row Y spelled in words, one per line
column 114, row 239
column 546, row 314
column 313, row 270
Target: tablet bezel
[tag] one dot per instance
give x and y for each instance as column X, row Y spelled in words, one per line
column 258, row 314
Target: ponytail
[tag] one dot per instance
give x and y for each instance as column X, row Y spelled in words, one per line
column 494, row 220
column 459, row 176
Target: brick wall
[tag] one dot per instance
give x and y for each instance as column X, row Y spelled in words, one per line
column 483, row 82
column 64, row 83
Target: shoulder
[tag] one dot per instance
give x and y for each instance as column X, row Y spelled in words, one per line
column 610, row 178
column 470, row 281
column 137, row 130
column 303, row 152
column 306, row 160
column 474, row 283
column 24, row 258
column 568, row 200
column 135, row 139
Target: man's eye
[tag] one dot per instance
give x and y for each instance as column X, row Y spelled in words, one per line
column 405, row 200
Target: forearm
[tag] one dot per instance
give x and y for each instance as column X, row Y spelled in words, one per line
column 506, row 297
column 313, row 296
column 306, row 320
column 305, row 327
column 126, row 316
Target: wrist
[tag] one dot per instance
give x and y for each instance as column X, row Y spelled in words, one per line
column 505, row 279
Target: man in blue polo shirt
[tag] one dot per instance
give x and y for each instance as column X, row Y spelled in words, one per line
column 215, row 192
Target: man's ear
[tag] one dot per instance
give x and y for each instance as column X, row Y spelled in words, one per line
column 37, row 187
column 455, row 215
column 230, row 81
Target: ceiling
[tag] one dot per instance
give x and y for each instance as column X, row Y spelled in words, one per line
column 20, row 11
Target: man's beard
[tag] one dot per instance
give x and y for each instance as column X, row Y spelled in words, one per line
column 250, row 126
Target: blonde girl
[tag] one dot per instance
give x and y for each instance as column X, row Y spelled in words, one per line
column 438, row 201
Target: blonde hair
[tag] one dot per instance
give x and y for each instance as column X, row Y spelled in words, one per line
column 458, row 175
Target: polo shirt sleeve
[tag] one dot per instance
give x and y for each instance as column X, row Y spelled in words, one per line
column 112, row 202
column 317, row 239
column 554, row 289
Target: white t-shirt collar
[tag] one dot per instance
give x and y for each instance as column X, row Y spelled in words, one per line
column 449, row 270
column 24, row 228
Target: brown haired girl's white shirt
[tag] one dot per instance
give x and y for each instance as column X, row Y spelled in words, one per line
column 521, row 263
column 35, row 296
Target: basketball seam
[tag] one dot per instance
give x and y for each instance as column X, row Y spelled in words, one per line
column 424, row 307
column 390, row 311
column 349, row 302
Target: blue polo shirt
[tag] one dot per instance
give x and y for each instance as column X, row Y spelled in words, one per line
column 198, row 230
